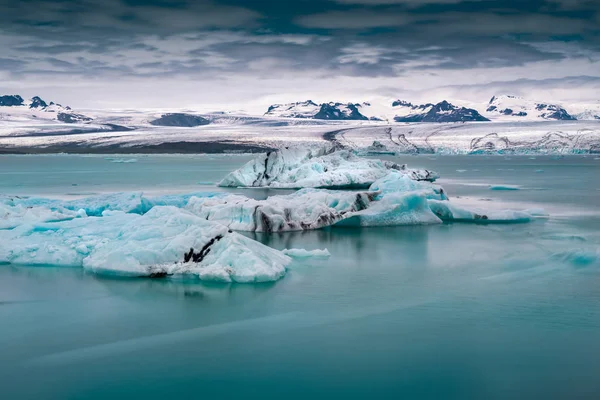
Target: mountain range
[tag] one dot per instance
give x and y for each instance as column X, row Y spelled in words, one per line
column 503, row 108
column 39, row 108
column 498, row 108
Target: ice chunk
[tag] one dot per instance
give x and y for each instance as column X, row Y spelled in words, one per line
column 449, row 212
column 398, row 182
column 504, row 187
column 166, row 240
column 302, row 253
column 133, row 202
column 302, row 210
column 394, row 209
column 122, row 160
column 315, row 168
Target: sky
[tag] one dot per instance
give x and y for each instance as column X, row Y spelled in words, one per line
column 247, row 54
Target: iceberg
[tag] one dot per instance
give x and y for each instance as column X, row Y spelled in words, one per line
column 394, row 209
column 396, row 181
column 302, row 253
column 132, row 202
column 504, row 187
column 323, row 167
column 166, row 240
column 449, row 212
column 303, row 210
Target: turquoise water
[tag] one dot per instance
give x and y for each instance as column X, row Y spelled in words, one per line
column 455, row 311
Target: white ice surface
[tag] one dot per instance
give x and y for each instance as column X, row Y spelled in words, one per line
column 142, row 245
column 302, row 253
column 315, row 168
column 302, row 210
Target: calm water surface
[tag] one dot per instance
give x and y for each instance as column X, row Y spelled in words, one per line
column 454, row 311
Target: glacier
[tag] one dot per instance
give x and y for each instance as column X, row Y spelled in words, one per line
column 166, row 240
column 322, row 167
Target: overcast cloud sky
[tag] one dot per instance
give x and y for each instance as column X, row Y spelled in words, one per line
column 251, row 53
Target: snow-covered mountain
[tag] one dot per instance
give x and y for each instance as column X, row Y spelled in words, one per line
column 308, row 109
column 303, row 109
column 499, row 108
column 440, row 112
column 510, row 107
column 399, row 111
column 14, row 106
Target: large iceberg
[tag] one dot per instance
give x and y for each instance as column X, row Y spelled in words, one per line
column 323, row 167
column 165, row 240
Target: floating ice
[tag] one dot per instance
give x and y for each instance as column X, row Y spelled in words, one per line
column 302, row 253
column 123, row 160
column 449, row 212
column 166, row 240
column 133, row 202
column 504, row 187
column 302, row 210
column 315, row 168
column 396, row 181
column 394, row 209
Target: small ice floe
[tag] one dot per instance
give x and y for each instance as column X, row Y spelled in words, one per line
column 124, row 160
column 539, row 171
column 302, row 253
column 449, row 212
column 504, row 187
column 461, row 170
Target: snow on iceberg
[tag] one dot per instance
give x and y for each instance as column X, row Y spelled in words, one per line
column 324, row 167
column 449, row 212
column 303, row 210
column 166, row 240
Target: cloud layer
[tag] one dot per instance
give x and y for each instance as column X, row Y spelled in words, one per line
column 160, row 53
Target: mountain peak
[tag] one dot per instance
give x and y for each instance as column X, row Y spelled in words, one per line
column 37, row 102
column 11, row 100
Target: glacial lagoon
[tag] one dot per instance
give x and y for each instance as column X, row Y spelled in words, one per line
column 452, row 310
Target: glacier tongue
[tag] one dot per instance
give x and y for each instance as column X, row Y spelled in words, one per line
column 323, row 167
column 165, row 240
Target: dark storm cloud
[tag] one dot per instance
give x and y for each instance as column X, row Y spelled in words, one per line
column 332, row 39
